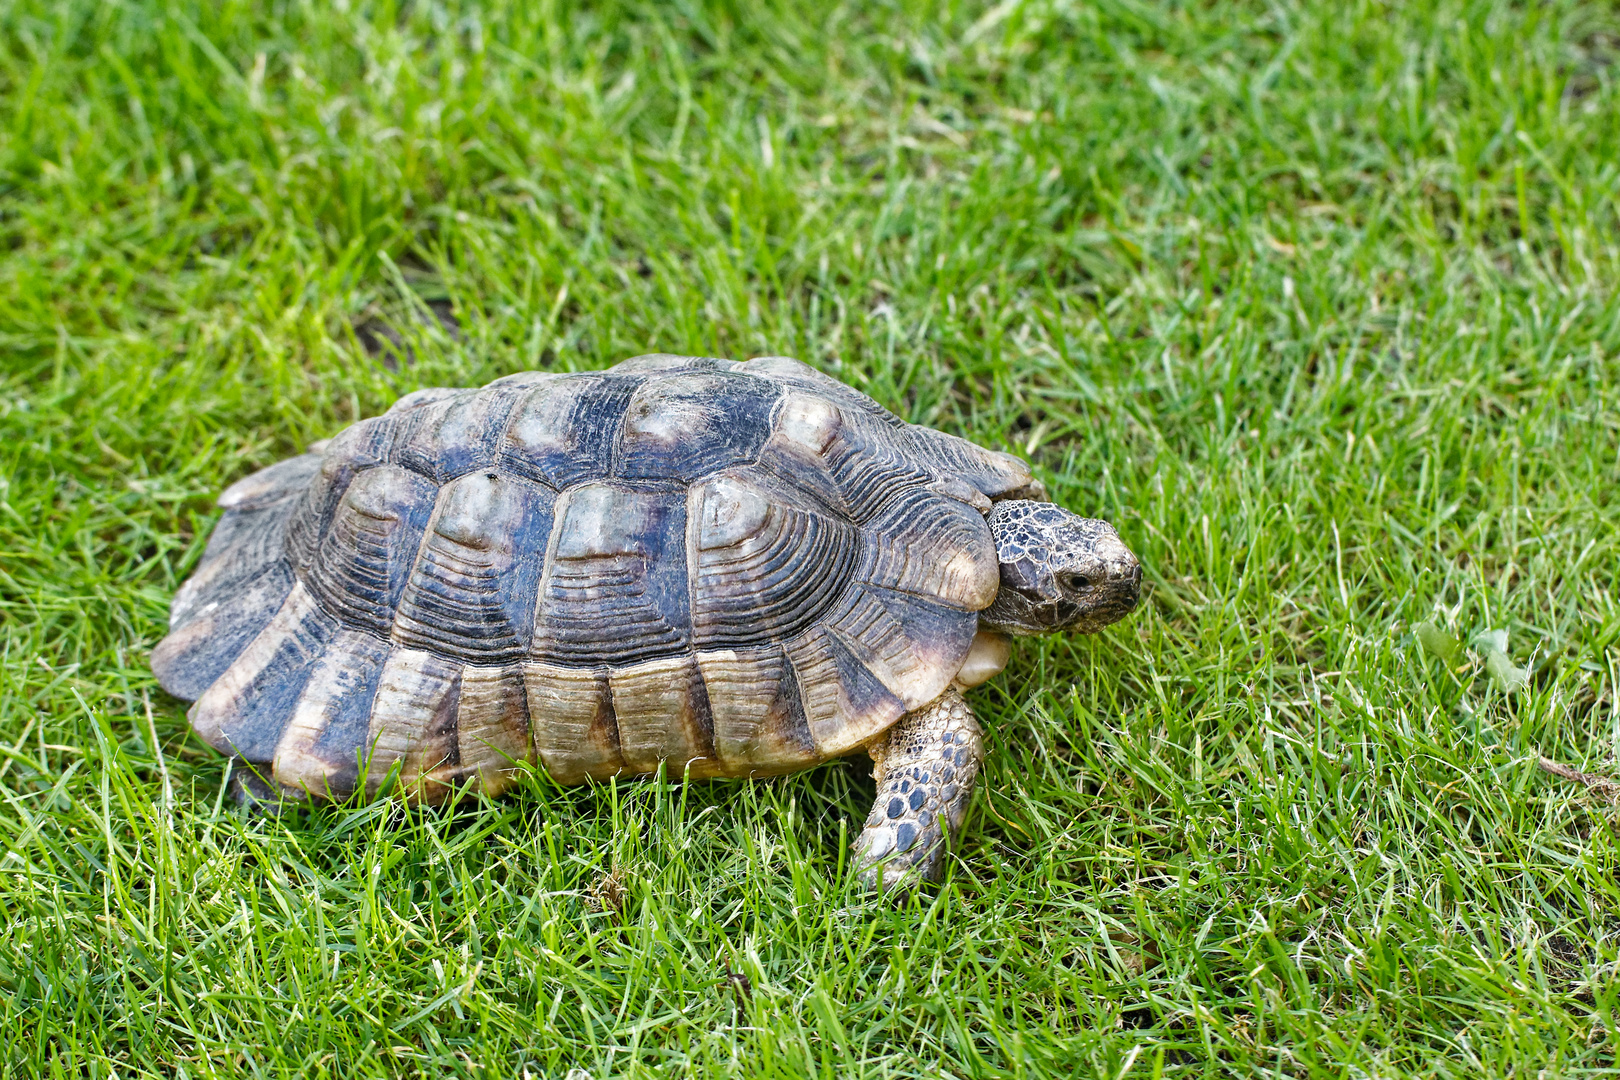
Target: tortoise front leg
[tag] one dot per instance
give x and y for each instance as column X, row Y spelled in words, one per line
column 925, row 767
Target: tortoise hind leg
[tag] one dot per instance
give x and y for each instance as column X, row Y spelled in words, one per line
column 925, row 768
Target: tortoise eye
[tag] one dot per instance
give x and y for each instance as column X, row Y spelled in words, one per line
column 1075, row 582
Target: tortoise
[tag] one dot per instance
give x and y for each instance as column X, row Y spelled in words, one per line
column 728, row 569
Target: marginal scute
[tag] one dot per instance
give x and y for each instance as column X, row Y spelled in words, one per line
column 241, row 580
column 471, row 594
column 938, row 634
column 908, row 667
column 215, row 630
column 682, row 426
column 662, row 710
column 413, row 724
column 492, row 727
column 759, row 722
column 245, row 710
column 245, row 544
column 576, row 734
column 846, row 705
column 880, row 654
column 321, row 749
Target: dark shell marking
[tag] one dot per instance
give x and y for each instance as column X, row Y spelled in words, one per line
column 731, row 569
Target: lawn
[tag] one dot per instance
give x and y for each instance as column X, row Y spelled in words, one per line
column 1319, row 304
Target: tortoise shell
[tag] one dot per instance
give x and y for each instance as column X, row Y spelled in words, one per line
column 735, row 568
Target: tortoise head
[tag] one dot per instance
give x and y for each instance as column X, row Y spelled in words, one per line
column 1059, row 571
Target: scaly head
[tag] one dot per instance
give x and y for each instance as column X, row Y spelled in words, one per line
column 1059, row 571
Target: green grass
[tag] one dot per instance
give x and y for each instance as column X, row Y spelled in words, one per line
column 1317, row 303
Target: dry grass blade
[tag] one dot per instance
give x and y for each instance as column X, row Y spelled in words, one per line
column 1603, row 787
